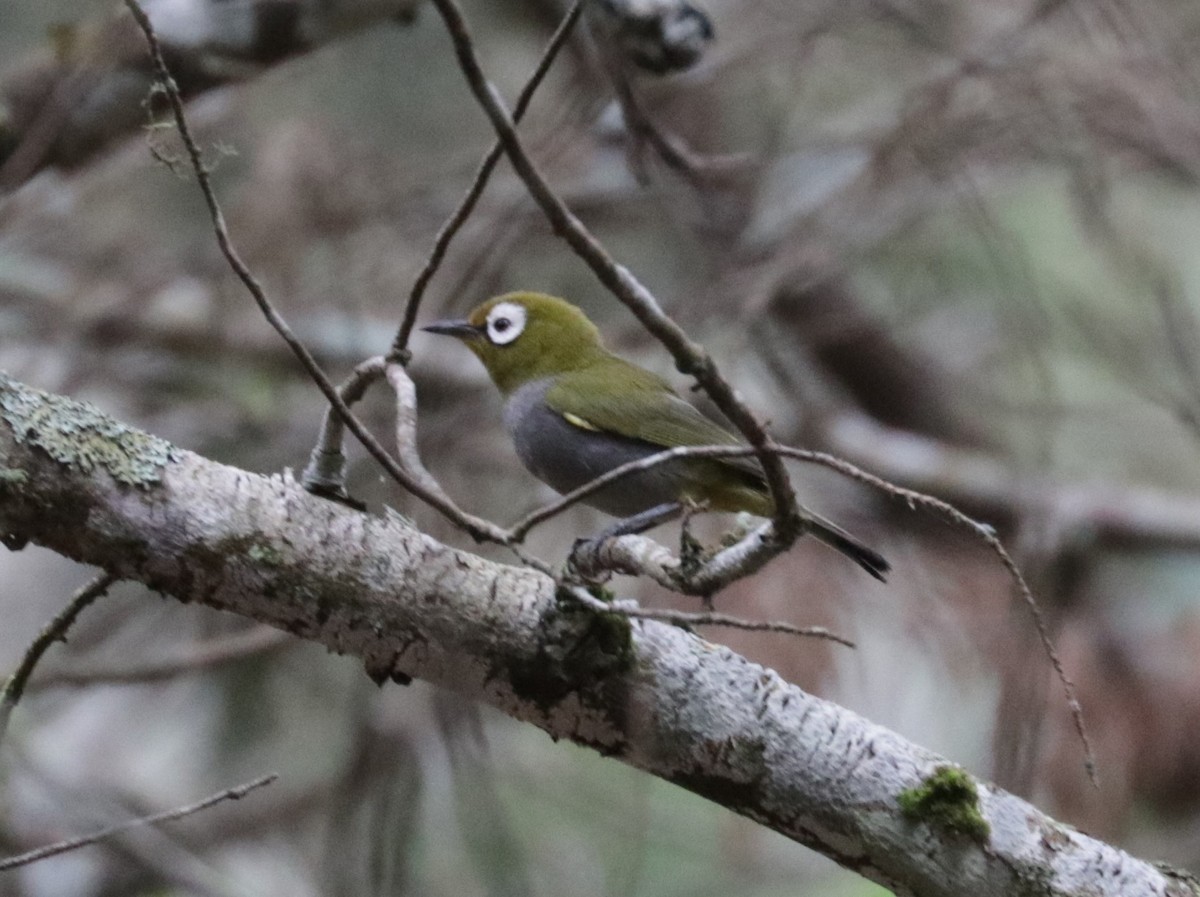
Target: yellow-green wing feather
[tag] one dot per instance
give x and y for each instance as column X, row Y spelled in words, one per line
column 620, row 398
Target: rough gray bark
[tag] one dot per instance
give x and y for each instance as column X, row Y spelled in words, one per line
column 656, row 697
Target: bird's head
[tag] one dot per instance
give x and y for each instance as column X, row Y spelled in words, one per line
column 522, row 337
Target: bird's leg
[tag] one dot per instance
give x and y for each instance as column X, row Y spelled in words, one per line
column 584, row 554
column 691, row 550
column 639, row 522
column 642, row 521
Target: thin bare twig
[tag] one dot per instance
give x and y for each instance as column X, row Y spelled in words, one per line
column 455, row 222
column 196, row 658
column 519, row 530
column 478, row 528
column 325, row 473
column 55, row 630
column 690, row 357
column 406, row 448
column 708, row 618
column 719, row 574
column 1101, row 510
column 987, row 535
column 235, row 793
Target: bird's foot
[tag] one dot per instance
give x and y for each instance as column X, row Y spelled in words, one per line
column 586, row 560
column 585, row 564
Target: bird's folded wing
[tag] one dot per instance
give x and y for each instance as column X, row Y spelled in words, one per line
column 644, row 407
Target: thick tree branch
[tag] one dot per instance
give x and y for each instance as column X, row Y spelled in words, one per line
column 654, row 696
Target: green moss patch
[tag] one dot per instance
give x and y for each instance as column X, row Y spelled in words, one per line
column 947, row 800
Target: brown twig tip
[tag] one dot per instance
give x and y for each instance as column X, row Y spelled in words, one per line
column 235, row 793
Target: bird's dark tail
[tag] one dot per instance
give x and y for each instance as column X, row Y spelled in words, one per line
column 836, row 537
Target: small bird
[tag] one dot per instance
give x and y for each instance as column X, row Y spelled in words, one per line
column 575, row 411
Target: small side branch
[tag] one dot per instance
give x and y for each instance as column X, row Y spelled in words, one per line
column 641, row 556
column 325, row 473
column 687, row 619
column 194, row 659
column 406, row 431
column 50, row 850
column 637, row 555
column 55, row 631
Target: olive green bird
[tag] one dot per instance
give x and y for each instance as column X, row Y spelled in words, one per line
column 575, row 411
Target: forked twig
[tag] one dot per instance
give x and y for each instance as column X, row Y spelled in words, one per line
column 911, row 497
column 689, row 356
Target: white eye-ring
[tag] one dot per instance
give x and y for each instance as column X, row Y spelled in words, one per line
column 505, row 323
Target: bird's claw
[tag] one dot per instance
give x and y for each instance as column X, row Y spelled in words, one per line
column 584, row 561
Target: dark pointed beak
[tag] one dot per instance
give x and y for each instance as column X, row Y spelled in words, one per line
column 460, row 329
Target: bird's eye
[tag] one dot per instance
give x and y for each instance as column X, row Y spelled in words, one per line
column 505, row 323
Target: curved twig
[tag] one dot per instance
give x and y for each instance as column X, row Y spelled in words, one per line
column 731, row 567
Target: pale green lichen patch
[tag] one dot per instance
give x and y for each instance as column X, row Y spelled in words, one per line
column 946, row 799
column 81, row 436
column 12, row 477
column 264, row 554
